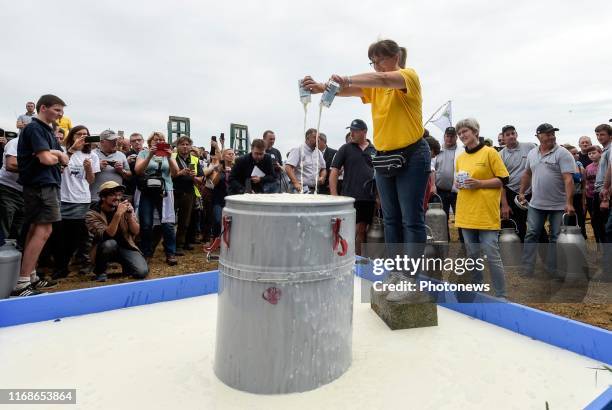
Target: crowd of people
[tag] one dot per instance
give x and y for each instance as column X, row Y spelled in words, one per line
column 528, row 183
column 68, row 195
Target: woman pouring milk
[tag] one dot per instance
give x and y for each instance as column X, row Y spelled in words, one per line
column 394, row 92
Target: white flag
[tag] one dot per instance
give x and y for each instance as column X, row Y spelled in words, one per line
column 445, row 119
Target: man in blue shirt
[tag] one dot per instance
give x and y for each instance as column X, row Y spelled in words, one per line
column 39, row 159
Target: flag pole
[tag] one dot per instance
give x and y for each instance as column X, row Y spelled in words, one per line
column 437, row 111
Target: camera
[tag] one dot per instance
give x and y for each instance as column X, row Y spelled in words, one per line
column 92, row 138
column 111, row 163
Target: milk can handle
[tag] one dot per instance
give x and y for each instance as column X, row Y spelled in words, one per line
column 337, row 238
column 439, row 197
column 227, row 225
column 514, row 222
column 563, row 219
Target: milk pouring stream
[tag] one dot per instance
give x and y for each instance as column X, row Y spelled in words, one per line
column 305, row 98
column 327, row 98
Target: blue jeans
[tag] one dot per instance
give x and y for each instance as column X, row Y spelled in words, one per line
column 145, row 217
column 475, row 241
column 536, row 218
column 402, row 197
column 132, row 262
column 217, row 213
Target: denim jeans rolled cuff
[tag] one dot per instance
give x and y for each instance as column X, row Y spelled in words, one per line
column 536, row 219
column 132, row 262
column 146, row 209
column 402, row 197
column 479, row 241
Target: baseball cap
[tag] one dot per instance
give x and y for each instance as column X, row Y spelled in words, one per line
column 545, row 128
column 358, row 125
column 508, row 128
column 110, row 186
column 108, row 135
column 450, row 130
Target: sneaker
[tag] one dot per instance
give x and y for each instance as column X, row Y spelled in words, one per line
column 179, row 253
column 171, row 260
column 187, row 247
column 392, row 278
column 26, row 291
column 44, row 284
column 101, row 277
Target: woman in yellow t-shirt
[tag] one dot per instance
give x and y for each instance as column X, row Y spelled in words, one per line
column 478, row 201
column 395, row 95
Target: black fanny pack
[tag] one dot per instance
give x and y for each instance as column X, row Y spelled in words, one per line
column 153, row 185
column 390, row 163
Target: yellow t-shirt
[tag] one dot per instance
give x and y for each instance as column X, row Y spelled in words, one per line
column 479, row 208
column 397, row 114
column 65, row 124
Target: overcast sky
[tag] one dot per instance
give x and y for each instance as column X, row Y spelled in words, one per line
column 129, row 64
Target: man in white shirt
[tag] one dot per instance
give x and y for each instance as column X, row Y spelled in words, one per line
column 304, row 159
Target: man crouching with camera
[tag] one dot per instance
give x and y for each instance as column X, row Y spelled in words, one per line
column 113, row 224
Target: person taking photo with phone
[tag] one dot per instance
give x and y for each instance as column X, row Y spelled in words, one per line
column 155, row 168
column 75, row 197
column 112, row 222
column 113, row 163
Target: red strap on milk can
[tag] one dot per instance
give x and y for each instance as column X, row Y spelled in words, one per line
column 216, row 244
column 338, row 239
column 227, row 223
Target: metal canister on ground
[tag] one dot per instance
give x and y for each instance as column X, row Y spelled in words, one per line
column 10, row 263
column 284, row 321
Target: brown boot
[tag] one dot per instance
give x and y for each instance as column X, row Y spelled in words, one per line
column 171, row 260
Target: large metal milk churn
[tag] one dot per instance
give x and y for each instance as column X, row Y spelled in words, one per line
column 571, row 253
column 375, row 239
column 435, row 218
column 376, row 231
column 571, row 281
column 10, row 262
column 510, row 246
